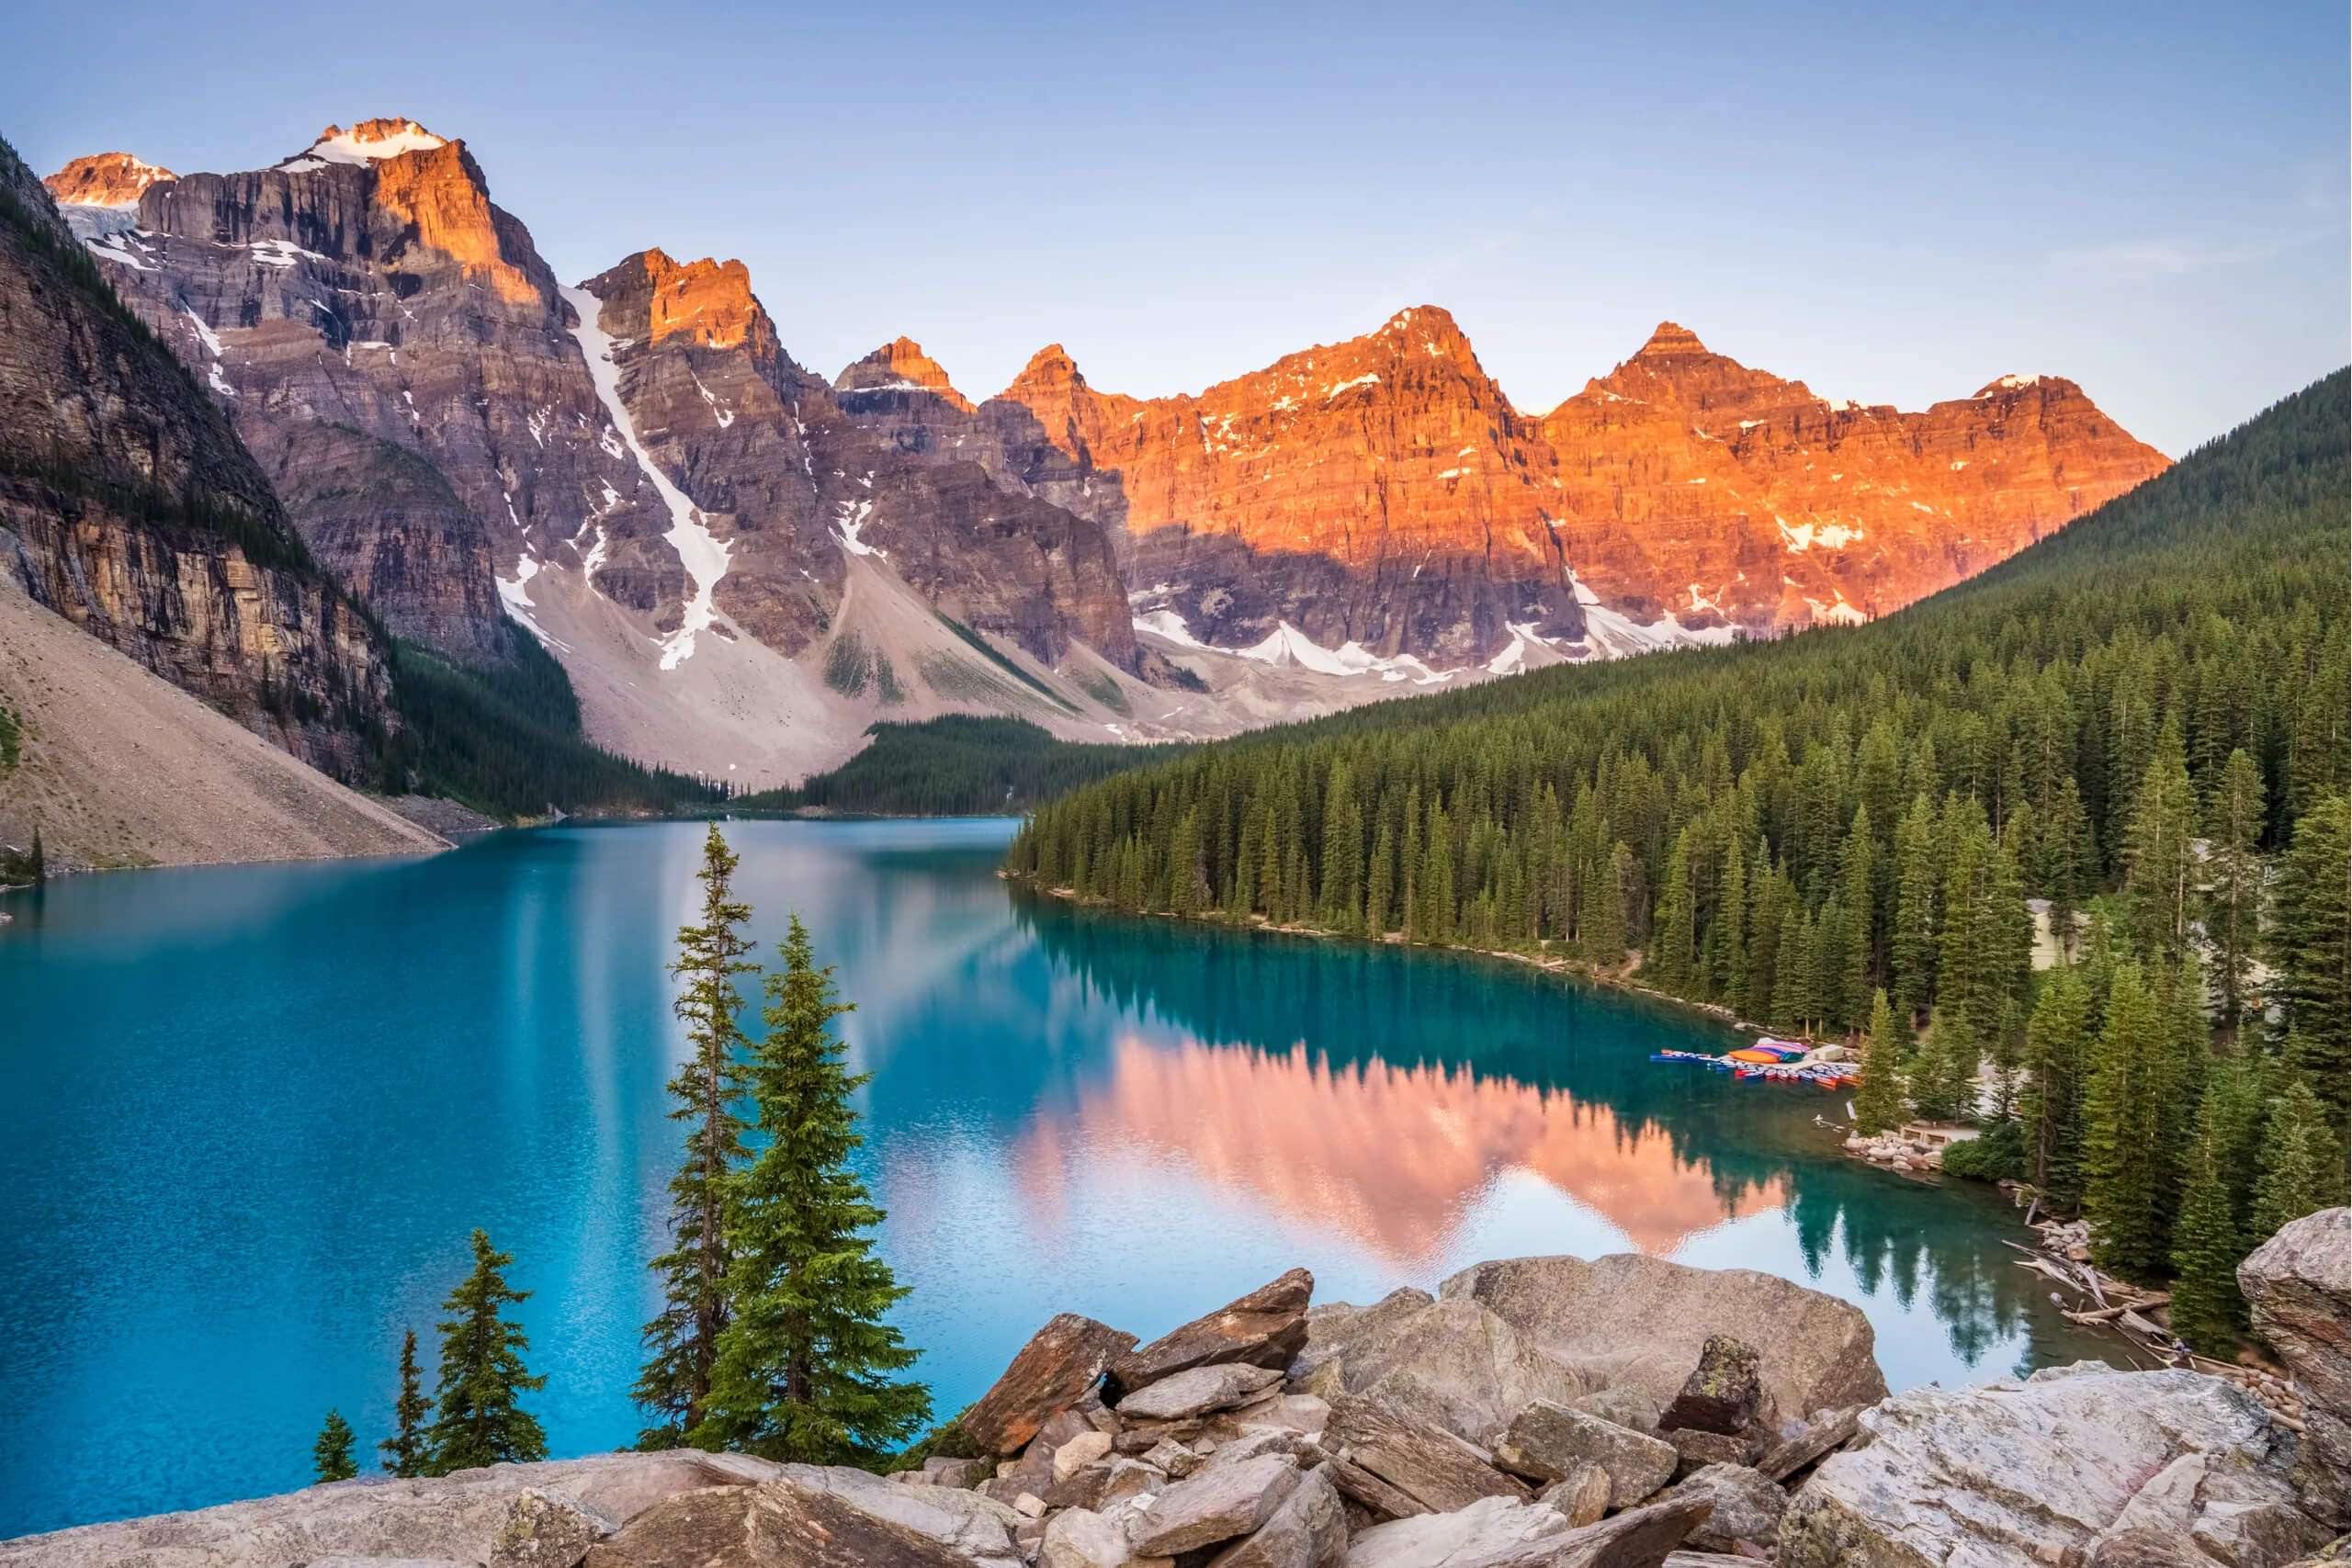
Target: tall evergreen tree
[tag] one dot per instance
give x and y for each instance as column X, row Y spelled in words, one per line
column 2056, row 1046
column 2206, row 1310
column 806, row 1361
column 2233, row 901
column 1913, row 956
column 1879, row 1100
column 480, row 1419
column 2122, row 1132
column 404, row 1451
column 330, row 1455
column 2159, row 878
column 2312, row 951
column 1943, row 1076
column 2302, row 1163
column 681, row 1341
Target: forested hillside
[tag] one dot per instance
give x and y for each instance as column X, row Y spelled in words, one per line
column 957, row 765
column 2142, row 718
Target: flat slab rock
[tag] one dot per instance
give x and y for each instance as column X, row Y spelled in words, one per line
column 1216, row 1503
column 1631, row 1321
column 1052, row 1372
column 2034, row 1472
column 969, row 1523
column 1198, row 1391
column 1498, row 1532
column 773, row 1526
column 1452, row 1363
column 1394, row 1465
column 455, row 1518
column 1551, row 1442
column 1265, row 1328
column 2300, row 1285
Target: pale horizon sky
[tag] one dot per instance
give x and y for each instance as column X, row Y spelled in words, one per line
column 1890, row 204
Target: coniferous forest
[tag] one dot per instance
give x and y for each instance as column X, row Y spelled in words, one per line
column 2140, row 721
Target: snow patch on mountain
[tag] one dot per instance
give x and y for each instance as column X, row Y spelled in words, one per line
column 702, row 555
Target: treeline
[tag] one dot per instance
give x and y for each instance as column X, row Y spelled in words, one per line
column 2142, row 718
column 959, row 765
column 505, row 739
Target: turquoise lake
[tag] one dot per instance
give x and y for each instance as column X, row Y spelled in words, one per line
column 249, row 1114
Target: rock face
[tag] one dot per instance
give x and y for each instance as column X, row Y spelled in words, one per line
column 1450, row 1362
column 2028, row 1471
column 1061, row 1361
column 1552, row 1442
column 128, row 507
column 1627, row 1321
column 99, row 194
column 1696, row 485
column 2300, row 1285
column 1383, row 492
column 1265, row 1328
column 457, row 1518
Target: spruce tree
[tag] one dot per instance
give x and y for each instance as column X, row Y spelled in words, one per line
column 480, row 1420
column 404, row 1451
column 1879, row 1102
column 2302, row 1163
column 1943, row 1076
column 806, row 1361
column 2206, row 1310
column 2051, row 1106
column 1912, row 948
column 2159, row 869
column 330, row 1455
column 681, row 1341
column 2233, row 902
column 2311, row 952
column 2122, row 1132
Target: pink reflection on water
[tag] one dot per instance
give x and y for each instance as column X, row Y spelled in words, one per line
column 1392, row 1157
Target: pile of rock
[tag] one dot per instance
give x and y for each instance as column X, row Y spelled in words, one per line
column 1536, row 1413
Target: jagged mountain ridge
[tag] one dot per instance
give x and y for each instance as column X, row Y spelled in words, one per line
column 128, row 508
column 418, row 386
column 447, row 426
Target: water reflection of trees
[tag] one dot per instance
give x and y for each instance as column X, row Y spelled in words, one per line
column 1357, row 1006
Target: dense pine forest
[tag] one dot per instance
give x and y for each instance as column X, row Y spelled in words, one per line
column 505, row 739
column 2140, row 721
column 958, row 765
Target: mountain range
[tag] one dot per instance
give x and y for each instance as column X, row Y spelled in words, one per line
column 740, row 565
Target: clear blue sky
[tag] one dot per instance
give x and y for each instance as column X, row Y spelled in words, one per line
column 1896, row 203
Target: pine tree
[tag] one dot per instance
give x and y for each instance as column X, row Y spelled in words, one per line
column 2122, row 1132
column 681, row 1341
column 2206, row 1310
column 1912, row 959
column 2312, row 951
column 2233, row 903
column 404, row 1449
column 2051, row 1106
column 2159, row 868
column 1380, row 897
column 1856, row 883
column 331, row 1453
column 2302, row 1163
column 1880, row 1102
column 480, row 1421
column 805, row 1361
column 1943, row 1076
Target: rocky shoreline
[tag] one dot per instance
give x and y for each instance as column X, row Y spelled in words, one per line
column 1536, row 1413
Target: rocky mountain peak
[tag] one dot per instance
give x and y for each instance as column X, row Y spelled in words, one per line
column 900, row 365
column 709, row 301
column 1670, row 340
column 367, row 142
column 111, row 180
column 1050, row 366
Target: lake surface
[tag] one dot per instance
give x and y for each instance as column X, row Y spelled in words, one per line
column 249, row 1114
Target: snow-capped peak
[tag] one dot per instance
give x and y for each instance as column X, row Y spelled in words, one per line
column 110, row 180
column 366, row 142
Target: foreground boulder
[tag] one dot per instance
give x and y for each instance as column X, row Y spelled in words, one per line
column 1265, row 1328
column 1052, row 1372
column 2300, row 1285
column 452, row 1518
column 1395, row 1466
column 2040, row 1471
column 774, row 1525
column 1552, row 1442
column 1627, row 1321
column 976, row 1527
column 1501, row 1533
column 1743, row 1507
column 1452, row 1363
column 1722, row 1393
column 1216, row 1503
